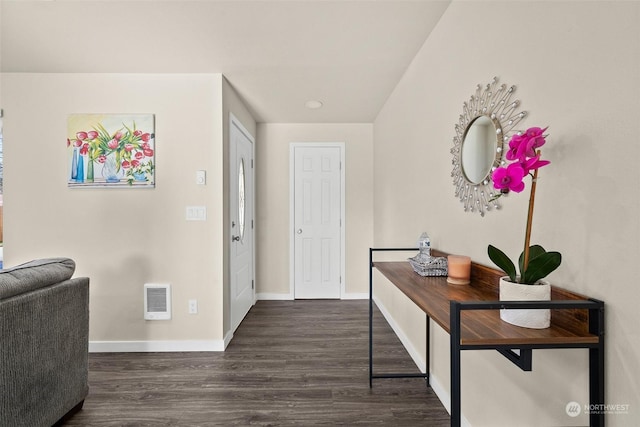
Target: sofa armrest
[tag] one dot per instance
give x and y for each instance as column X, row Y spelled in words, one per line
column 34, row 275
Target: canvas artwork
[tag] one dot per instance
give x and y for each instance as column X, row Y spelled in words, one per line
column 111, row 150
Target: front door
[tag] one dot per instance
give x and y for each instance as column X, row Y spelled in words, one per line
column 317, row 220
column 242, row 293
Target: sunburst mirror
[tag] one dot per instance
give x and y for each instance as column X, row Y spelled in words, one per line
column 486, row 125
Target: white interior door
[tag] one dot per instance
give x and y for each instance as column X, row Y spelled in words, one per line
column 317, row 221
column 242, row 293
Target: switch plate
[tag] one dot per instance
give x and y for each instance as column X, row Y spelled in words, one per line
column 196, row 213
column 201, row 177
column 193, row 306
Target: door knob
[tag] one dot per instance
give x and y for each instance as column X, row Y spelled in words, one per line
column 235, row 238
column 299, row 231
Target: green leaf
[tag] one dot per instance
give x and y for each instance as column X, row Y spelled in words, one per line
column 534, row 251
column 503, row 262
column 104, row 135
column 541, row 266
column 118, row 160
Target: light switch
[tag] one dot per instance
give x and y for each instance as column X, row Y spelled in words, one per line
column 196, row 213
column 201, row 177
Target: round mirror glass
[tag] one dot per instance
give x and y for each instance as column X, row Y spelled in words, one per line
column 479, row 149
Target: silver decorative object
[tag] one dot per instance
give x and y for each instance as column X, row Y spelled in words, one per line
column 472, row 172
column 426, row 265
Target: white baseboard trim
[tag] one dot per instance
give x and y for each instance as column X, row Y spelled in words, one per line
column 434, row 382
column 288, row 297
column 355, row 296
column 157, row 346
column 274, row 297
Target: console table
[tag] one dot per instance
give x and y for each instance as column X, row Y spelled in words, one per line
column 469, row 314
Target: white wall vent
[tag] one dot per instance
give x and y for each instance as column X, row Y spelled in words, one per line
column 157, row 302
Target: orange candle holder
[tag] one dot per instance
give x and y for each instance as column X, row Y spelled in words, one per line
column 459, row 269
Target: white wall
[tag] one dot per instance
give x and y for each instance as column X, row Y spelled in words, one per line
column 122, row 238
column 576, row 65
column 272, row 186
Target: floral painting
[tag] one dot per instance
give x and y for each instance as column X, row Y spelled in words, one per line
column 111, row 150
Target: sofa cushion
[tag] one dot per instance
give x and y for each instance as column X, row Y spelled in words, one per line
column 35, row 274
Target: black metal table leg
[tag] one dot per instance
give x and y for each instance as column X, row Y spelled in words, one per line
column 596, row 368
column 454, row 314
column 428, row 355
column 370, row 318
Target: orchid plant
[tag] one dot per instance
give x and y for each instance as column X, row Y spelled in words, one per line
column 535, row 262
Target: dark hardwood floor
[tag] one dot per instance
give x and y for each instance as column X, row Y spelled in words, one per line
column 290, row 363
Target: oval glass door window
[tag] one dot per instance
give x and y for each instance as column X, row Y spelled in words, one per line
column 241, row 200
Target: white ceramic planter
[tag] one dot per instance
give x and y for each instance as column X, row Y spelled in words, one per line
column 527, row 318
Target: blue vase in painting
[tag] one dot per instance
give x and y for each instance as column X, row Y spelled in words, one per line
column 74, row 164
column 139, row 176
column 80, row 172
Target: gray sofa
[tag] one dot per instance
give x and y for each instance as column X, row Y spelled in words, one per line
column 44, row 338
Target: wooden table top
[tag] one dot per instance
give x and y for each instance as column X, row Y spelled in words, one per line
column 484, row 327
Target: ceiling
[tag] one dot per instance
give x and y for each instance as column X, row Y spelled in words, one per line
column 348, row 54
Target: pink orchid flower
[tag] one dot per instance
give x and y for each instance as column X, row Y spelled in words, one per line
column 85, row 149
column 148, row 152
column 128, row 147
column 533, row 163
column 102, row 159
column 523, row 146
column 535, row 132
column 145, row 137
column 77, row 143
column 137, row 132
column 515, row 152
column 113, row 144
column 509, row 178
column 126, row 164
column 92, row 134
column 135, row 163
column 139, row 155
column 81, row 135
column 533, row 139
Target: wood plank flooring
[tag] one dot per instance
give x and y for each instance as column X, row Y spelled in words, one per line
column 290, row 363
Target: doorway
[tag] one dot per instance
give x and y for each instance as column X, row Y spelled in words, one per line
column 317, row 220
column 241, row 201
